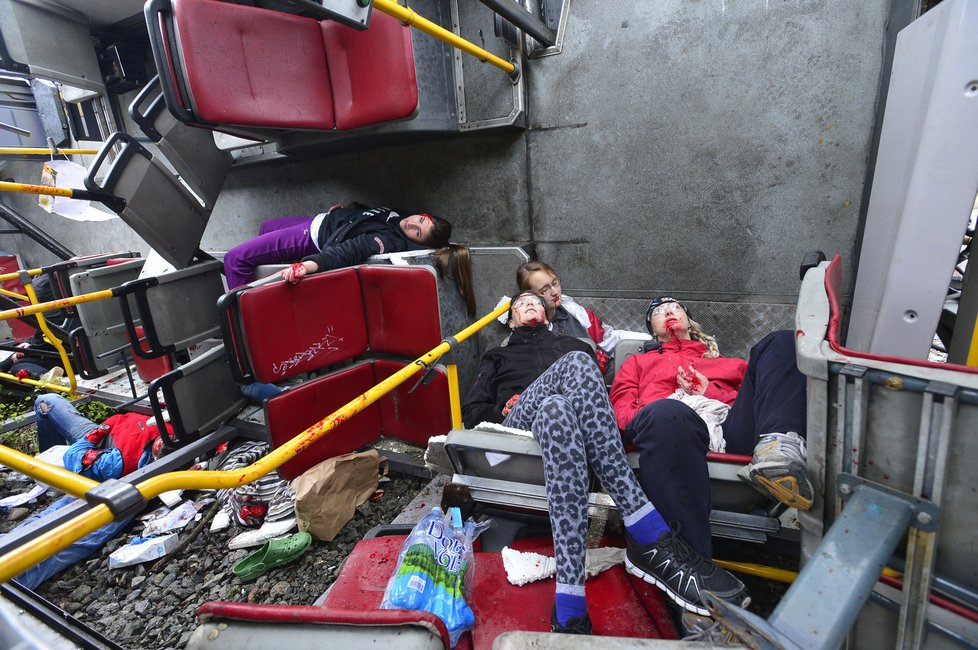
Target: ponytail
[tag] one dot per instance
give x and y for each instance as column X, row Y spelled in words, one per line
column 456, row 258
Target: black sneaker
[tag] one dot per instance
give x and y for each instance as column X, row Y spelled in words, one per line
column 574, row 625
column 671, row 564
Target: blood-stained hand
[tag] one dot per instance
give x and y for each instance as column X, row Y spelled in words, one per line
column 510, row 404
column 296, row 272
column 692, row 380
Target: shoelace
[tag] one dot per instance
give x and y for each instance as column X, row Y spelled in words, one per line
column 686, row 554
column 786, row 445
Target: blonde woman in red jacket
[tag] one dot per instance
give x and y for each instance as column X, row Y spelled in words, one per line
column 766, row 418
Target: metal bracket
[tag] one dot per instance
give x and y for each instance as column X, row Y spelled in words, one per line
column 926, row 514
column 123, row 499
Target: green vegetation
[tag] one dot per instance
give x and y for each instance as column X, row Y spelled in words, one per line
column 24, row 439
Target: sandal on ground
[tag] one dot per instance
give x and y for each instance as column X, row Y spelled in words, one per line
column 274, row 553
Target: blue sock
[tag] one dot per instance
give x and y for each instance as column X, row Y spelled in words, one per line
column 646, row 525
column 569, row 606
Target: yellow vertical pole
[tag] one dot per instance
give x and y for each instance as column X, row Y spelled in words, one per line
column 55, row 342
column 454, row 399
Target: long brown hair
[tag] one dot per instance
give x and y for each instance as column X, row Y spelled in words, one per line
column 526, row 269
column 455, row 258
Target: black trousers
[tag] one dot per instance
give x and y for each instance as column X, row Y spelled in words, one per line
column 672, row 439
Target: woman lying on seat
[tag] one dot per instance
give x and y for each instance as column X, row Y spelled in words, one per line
column 550, row 385
column 767, row 417
column 342, row 236
column 569, row 318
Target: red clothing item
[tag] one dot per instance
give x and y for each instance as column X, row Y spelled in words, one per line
column 644, row 378
column 132, row 438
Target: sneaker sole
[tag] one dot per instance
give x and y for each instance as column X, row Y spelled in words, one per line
column 784, row 489
column 676, row 598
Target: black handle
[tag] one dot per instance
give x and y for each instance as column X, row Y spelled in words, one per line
column 129, row 149
column 163, row 42
column 234, row 348
column 137, row 289
column 146, row 108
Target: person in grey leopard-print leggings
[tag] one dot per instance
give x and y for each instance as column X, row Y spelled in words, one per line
column 550, row 384
column 568, row 411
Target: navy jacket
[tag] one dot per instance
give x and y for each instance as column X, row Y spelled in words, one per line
column 507, row 371
column 349, row 236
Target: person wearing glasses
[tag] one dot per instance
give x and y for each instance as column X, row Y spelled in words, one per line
column 567, row 316
column 765, row 418
column 549, row 384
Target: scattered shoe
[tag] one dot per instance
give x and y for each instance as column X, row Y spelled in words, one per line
column 704, row 628
column 671, row 564
column 574, row 625
column 778, row 469
column 274, row 553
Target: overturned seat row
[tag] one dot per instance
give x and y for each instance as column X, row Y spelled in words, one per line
column 350, row 328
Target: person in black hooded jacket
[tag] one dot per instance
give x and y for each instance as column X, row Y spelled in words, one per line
column 550, row 385
column 342, row 236
column 505, row 372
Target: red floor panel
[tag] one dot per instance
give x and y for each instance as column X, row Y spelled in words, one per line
column 616, row 606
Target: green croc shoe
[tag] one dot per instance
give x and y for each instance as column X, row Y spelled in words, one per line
column 274, row 553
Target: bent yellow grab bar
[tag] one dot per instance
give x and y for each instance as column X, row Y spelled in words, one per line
column 49, row 543
column 409, row 17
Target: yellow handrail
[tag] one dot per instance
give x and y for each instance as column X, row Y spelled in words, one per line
column 759, row 570
column 60, row 303
column 49, row 543
column 409, row 17
column 16, row 274
column 37, row 151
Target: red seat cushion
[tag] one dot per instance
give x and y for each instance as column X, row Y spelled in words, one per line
column 292, row 412
column 401, row 305
column 253, row 67
column 292, row 329
column 371, row 72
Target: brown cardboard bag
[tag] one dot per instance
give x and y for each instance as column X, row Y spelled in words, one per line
column 327, row 494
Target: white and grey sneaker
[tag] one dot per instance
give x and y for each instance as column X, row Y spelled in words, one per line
column 778, row 469
column 671, row 564
column 706, row 629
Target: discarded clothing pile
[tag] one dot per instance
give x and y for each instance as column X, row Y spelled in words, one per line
column 270, row 498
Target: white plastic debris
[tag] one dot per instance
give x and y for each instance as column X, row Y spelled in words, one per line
column 269, row 530
column 173, row 520
column 24, row 497
column 525, row 567
column 221, row 521
column 171, row 498
column 145, row 550
column 54, row 455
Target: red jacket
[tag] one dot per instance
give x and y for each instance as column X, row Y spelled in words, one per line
column 644, row 378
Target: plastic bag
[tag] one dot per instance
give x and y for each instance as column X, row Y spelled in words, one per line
column 433, row 569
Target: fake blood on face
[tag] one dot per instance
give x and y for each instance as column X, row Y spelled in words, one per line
column 671, row 324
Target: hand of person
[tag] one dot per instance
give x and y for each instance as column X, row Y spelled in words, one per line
column 692, row 380
column 510, row 404
column 20, row 355
column 298, row 271
column 95, row 435
column 338, row 206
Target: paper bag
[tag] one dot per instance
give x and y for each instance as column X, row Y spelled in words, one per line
column 327, row 494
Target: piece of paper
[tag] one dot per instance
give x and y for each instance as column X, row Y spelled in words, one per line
column 176, row 519
column 24, row 497
column 494, row 458
column 269, row 530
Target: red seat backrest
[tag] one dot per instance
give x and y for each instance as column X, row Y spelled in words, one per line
column 401, row 306
column 292, row 329
column 371, row 72
column 253, row 67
